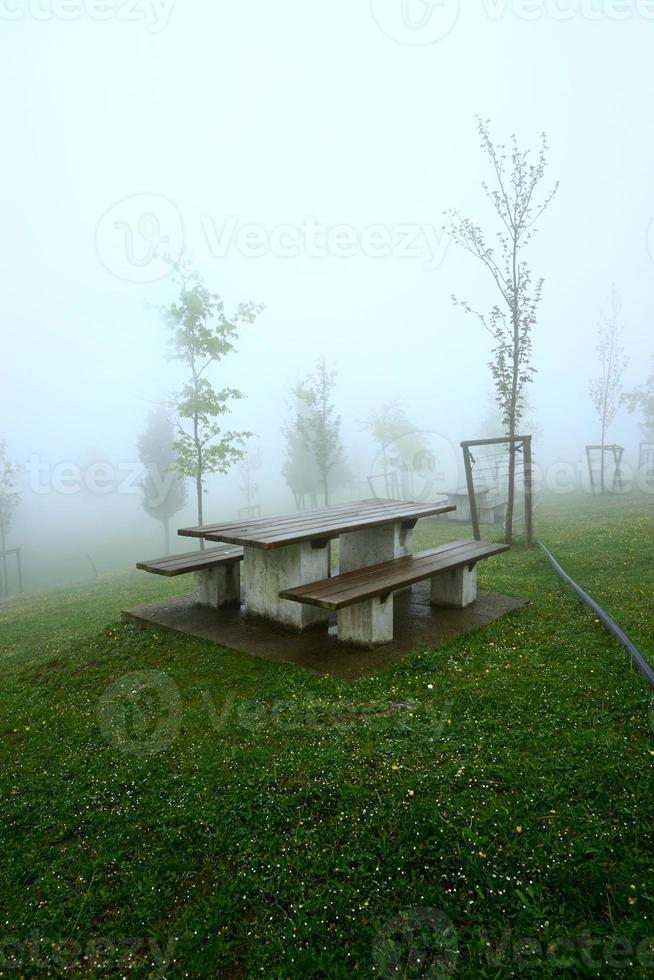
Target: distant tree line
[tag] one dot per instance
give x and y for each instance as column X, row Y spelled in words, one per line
column 606, row 389
column 191, row 440
column 164, row 491
column 9, row 501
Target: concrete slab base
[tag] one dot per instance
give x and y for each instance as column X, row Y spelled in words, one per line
column 418, row 626
column 456, row 587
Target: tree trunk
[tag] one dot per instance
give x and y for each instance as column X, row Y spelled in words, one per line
column 508, row 537
column 510, row 497
column 199, row 468
column 199, row 462
column 166, row 530
column 198, row 490
column 602, row 488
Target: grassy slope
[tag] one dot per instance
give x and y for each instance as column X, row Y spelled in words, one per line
column 251, row 819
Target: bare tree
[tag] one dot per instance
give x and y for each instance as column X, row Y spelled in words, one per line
column 248, row 471
column 386, row 424
column 518, row 203
column 300, row 470
column 401, row 447
column 606, row 389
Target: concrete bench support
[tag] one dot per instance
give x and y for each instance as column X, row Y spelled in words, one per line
column 219, row 586
column 363, row 598
column 456, row 587
column 366, row 623
column 267, row 573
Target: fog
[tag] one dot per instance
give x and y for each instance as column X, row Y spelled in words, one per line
column 249, row 134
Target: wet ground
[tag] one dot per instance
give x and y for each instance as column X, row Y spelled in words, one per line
column 418, row 626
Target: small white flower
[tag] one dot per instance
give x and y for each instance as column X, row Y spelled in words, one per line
column 431, row 687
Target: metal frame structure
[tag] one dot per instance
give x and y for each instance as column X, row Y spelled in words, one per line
column 4, row 577
column 645, row 454
column 516, row 444
column 617, row 452
column 391, row 484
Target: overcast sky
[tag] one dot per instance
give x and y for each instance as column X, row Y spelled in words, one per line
column 127, row 122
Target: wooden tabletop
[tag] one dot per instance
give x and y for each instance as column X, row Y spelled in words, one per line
column 316, row 525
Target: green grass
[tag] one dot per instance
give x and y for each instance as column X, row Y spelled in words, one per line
column 174, row 809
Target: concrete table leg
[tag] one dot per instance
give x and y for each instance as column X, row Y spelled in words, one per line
column 373, row 545
column 403, row 540
column 219, row 586
column 456, row 587
column 268, row 571
column 366, row 623
column 403, row 546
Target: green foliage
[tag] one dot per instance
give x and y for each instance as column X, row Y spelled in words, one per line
column 606, row 389
column 9, row 500
column 492, row 424
column 317, row 422
column 300, row 470
column 164, row 494
column 641, row 400
column 201, row 404
column 387, row 424
column 248, row 470
column 202, row 335
column 400, row 443
column 9, row 493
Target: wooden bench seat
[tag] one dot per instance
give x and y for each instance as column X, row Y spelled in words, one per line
column 361, row 597
column 217, row 572
column 192, row 561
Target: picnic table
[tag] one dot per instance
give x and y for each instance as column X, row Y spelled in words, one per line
column 292, row 550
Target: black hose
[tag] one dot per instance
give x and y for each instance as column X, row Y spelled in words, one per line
column 638, row 659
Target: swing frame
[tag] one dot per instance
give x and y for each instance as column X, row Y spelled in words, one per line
column 516, row 444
